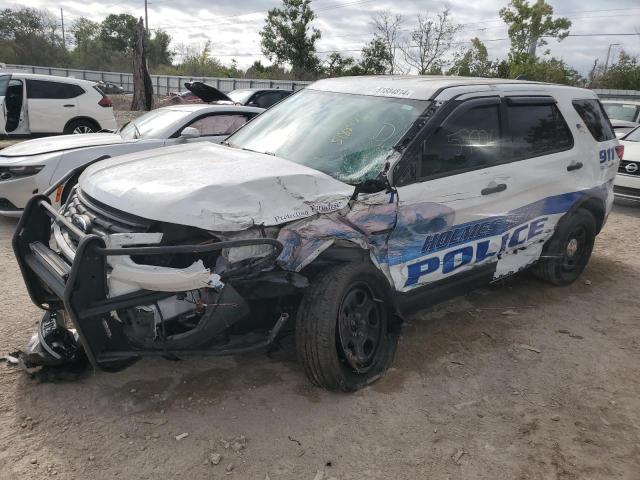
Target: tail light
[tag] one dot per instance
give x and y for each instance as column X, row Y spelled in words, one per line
column 105, row 102
column 620, row 151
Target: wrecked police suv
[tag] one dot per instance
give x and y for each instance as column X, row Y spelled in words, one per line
column 339, row 207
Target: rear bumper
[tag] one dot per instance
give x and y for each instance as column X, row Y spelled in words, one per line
column 81, row 287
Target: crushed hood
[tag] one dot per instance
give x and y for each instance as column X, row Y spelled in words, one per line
column 59, row 143
column 207, row 93
column 213, row 187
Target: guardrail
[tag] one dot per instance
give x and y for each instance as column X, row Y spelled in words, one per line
column 162, row 84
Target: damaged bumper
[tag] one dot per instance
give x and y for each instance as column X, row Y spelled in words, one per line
column 121, row 309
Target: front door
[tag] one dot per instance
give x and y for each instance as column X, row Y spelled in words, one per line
column 14, row 106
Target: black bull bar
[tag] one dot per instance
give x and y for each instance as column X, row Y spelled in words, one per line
column 81, row 287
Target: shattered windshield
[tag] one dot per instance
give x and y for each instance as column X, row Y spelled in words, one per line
column 346, row 136
column 152, row 124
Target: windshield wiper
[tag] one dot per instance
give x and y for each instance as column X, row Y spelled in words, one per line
column 138, row 135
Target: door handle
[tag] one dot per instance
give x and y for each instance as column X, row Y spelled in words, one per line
column 501, row 187
column 574, row 166
column 68, row 105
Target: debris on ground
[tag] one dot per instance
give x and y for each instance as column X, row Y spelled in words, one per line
column 555, row 417
column 587, row 282
column 457, row 456
column 182, row 435
column 229, row 468
column 215, row 458
column 564, row 331
column 530, row 348
column 509, row 312
column 11, row 358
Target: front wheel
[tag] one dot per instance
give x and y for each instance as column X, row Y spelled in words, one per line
column 346, row 336
column 567, row 253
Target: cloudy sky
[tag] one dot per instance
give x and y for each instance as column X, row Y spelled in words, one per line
column 233, row 27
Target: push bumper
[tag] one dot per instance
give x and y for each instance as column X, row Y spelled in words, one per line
column 80, row 288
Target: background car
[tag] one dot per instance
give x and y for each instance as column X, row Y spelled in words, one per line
column 624, row 115
column 33, row 166
column 109, row 88
column 627, row 182
column 252, row 97
column 47, row 104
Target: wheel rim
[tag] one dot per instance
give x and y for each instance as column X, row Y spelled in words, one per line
column 361, row 324
column 83, row 129
column 574, row 250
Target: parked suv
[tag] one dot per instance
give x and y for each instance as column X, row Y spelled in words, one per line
column 340, row 207
column 46, row 104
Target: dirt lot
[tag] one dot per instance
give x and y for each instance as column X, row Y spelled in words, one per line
column 517, row 381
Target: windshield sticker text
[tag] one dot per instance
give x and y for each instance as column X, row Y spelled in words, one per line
column 391, row 92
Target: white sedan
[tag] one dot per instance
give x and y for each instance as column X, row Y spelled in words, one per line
column 31, row 167
column 627, row 182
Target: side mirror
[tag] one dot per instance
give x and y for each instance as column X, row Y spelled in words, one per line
column 189, row 132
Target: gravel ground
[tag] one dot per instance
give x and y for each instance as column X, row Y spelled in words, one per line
column 517, row 381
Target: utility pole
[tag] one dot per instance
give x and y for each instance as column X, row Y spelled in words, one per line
column 146, row 17
column 64, row 40
column 606, row 64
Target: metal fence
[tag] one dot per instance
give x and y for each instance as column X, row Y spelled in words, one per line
column 162, row 84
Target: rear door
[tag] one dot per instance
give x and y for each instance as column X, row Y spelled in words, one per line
column 51, row 104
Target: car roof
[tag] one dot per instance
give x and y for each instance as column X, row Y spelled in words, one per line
column 428, row 87
column 626, row 102
column 51, row 78
column 262, row 90
column 206, row 107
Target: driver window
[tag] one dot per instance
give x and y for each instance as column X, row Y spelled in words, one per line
column 216, row 125
column 468, row 140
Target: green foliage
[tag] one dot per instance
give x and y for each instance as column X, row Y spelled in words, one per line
column 338, row 66
column 528, row 24
column 550, row 70
column 116, row 32
column 30, row 36
column 288, row 37
column 625, row 74
column 474, row 62
column 375, row 58
column 158, row 49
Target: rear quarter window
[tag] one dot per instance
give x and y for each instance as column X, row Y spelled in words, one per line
column 593, row 115
column 536, row 130
column 44, row 89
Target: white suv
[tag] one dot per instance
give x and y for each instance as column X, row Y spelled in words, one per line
column 40, row 104
column 340, row 206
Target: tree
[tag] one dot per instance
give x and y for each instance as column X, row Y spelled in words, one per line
column 142, row 86
column 338, row 66
column 474, row 62
column 288, row 37
column 625, row 74
column 375, row 58
column 387, row 27
column 529, row 25
column 30, row 36
column 428, row 43
column 550, row 70
column 117, row 31
column 158, row 51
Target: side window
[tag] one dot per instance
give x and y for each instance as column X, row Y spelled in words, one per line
column 469, row 139
column 595, row 119
column 43, row 89
column 536, row 130
column 267, row 99
column 224, row 124
column 4, row 82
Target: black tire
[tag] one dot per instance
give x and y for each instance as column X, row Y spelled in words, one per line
column 81, row 126
column 336, row 326
column 565, row 256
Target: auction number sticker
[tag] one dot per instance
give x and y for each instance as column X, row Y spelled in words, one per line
column 391, row 92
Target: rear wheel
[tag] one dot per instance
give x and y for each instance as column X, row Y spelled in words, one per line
column 81, row 126
column 346, row 336
column 567, row 253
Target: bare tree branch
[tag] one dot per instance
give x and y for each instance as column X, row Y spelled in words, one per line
column 387, row 27
column 429, row 41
